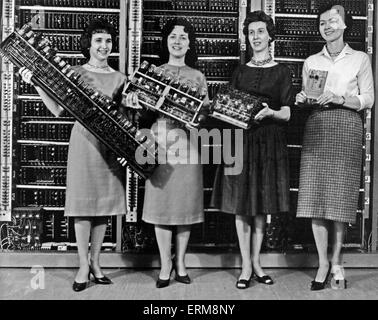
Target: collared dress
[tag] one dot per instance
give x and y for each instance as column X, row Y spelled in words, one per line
column 174, row 193
column 262, row 187
column 331, row 158
column 95, row 179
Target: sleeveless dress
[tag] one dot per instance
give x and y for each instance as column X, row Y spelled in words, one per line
column 95, row 179
column 174, row 193
column 263, row 185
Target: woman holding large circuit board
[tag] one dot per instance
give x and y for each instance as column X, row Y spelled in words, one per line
column 338, row 82
column 95, row 179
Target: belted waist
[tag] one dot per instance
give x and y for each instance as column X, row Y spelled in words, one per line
column 330, row 106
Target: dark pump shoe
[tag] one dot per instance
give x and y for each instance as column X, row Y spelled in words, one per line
column 102, row 280
column 316, row 285
column 243, row 283
column 161, row 283
column 80, row 286
column 264, row 279
column 183, row 279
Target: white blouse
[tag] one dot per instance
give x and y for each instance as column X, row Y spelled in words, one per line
column 349, row 75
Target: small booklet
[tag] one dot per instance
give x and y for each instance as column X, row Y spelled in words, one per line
column 315, row 83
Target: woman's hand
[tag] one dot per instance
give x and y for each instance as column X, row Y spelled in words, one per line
column 122, row 161
column 131, row 107
column 191, row 126
column 264, row 113
column 132, row 101
column 26, row 74
column 329, row 97
column 301, row 97
column 132, row 114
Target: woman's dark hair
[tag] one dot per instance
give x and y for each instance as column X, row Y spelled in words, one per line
column 191, row 55
column 95, row 26
column 257, row 16
column 348, row 20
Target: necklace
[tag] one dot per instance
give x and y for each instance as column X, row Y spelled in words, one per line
column 261, row 62
column 98, row 67
column 335, row 54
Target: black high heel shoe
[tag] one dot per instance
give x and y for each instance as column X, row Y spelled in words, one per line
column 316, row 285
column 162, row 283
column 243, row 283
column 80, row 286
column 264, row 279
column 102, row 280
column 183, row 279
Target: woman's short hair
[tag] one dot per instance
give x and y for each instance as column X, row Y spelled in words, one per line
column 95, row 26
column 256, row 16
column 191, row 55
column 348, row 20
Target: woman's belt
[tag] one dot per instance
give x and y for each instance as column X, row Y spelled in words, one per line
column 331, row 106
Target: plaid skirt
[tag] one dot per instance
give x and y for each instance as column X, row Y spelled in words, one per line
column 330, row 170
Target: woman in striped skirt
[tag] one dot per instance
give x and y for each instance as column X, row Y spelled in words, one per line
column 332, row 147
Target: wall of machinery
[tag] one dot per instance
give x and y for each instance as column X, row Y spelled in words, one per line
column 34, row 144
column 33, row 168
column 297, row 38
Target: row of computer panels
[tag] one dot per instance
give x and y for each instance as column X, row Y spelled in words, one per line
column 221, row 47
column 34, row 143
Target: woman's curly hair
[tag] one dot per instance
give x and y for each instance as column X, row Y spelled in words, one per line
column 191, row 55
column 95, row 26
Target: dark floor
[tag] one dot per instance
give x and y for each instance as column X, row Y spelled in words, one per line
column 208, row 284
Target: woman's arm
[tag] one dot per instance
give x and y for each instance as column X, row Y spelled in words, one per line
column 301, row 97
column 365, row 85
column 353, row 103
column 56, row 110
column 282, row 115
column 365, row 98
column 279, row 115
column 286, row 99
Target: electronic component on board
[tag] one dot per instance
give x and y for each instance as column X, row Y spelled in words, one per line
column 236, row 107
column 161, row 91
column 24, row 231
column 95, row 111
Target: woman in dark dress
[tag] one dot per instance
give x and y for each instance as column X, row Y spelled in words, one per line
column 262, row 188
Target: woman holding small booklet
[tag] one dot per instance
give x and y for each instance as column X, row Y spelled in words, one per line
column 332, row 146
